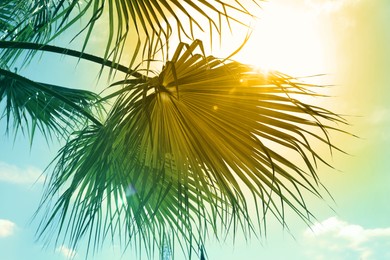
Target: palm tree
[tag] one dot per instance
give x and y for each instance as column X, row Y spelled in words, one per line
column 166, row 157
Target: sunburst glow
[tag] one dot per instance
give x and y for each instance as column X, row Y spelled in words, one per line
column 287, row 38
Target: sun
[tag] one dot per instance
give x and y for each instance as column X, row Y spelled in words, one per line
column 287, row 38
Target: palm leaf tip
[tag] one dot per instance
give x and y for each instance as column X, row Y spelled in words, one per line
column 178, row 153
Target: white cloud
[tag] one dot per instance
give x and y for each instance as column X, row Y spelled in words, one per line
column 337, row 239
column 7, row 228
column 13, row 174
column 66, row 252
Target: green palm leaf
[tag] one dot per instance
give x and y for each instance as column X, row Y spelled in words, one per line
column 25, row 21
column 53, row 109
column 153, row 22
column 185, row 153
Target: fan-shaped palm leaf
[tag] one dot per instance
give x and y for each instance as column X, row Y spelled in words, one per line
column 179, row 153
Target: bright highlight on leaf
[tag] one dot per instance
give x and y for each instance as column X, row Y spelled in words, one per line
column 180, row 151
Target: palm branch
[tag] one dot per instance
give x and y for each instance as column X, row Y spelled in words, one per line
column 184, row 154
column 153, row 22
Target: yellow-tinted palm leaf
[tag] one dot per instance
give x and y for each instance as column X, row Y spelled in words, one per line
column 184, row 154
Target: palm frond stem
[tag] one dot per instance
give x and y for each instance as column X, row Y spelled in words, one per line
column 73, row 53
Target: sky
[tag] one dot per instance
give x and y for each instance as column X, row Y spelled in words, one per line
column 349, row 41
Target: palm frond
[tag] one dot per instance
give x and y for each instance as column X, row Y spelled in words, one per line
column 50, row 108
column 185, row 153
column 153, row 22
column 29, row 21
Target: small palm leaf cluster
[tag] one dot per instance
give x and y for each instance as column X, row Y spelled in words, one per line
column 30, row 104
column 202, row 148
column 181, row 155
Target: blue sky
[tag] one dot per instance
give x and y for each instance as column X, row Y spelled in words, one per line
column 349, row 40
